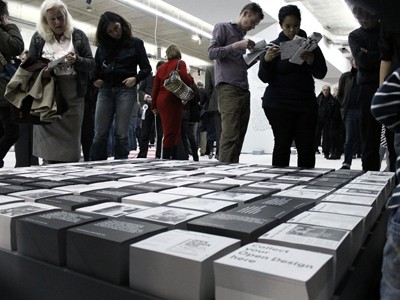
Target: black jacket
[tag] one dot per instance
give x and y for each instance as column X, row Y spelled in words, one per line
column 291, row 86
column 115, row 65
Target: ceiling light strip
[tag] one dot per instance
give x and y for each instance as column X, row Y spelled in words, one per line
column 166, row 17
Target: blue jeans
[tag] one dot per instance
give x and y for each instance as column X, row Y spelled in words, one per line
column 352, row 129
column 390, row 284
column 119, row 101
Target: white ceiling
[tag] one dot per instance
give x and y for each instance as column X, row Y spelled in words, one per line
column 332, row 14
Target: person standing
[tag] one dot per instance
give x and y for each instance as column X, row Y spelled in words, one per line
column 11, row 44
column 213, row 114
column 227, row 47
column 289, row 101
column 386, row 109
column 117, row 58
column 350, row 112
column 60, row 141
column 364, row 45
column 151, row 122
column 168, row 105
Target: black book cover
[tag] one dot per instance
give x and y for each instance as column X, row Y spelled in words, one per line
column 255, row 190
column 211, row 186
column 101, row 249
column 149, row 187
column 112, row 194
column 18, row 180
column 42, row 236
column 72, row 202
column 245, row 228
column 260, row 210
column 326, row 183
column 291, row 204
column 88, row 179
column 12, row 188
column 49, row 184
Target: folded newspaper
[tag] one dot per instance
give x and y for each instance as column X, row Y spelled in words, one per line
column 259, row 47
column 308, row 44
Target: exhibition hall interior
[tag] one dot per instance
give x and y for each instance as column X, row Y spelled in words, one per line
column 224, row 213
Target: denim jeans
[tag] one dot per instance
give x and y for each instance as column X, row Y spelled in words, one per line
column 390, row 283
column 119, row 101
column 352, row 128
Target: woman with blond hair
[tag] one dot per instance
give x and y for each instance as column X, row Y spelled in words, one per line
column 55, row 38
column 168, row 105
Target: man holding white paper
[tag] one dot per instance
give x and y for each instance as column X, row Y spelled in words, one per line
column 227, row 46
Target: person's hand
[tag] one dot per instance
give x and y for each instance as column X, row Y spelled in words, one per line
column 129, row 82
column 147, row 97
column 154, row 110
column 98, row 83
column 244, row 44
column 308, row 57
column 272, row 52
column 364, row 50
column 46, row 73
column 70, row 58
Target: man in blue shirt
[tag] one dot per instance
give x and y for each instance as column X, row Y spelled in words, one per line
column 227, row 46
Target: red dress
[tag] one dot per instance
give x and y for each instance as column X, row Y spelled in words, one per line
column 167, row 104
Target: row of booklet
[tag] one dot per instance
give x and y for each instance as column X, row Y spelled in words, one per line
column 181, row 230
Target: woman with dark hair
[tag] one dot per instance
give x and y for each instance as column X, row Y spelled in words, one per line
column 168, row 105
column 289, row 101
column 117, row 57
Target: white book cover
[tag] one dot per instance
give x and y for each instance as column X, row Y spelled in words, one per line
column 77, row 189
column 365, row 212
column 113, row 209
column 309, row 194
column 167, row 215
column 38, row 174
column 143, row 179
column 358, row 191
column 111, row 184
column 187, row 244
column 272, row 185
column 345, row 222
column 232, row 196
column 368, row 200
column 312, row 188
column 333, row 241
column 227, row 173
column 187, row 191
column 9, row 212
column 151, row 199
column 181, row 264
column 296, row 178
column 308, row 235
column 59, row 177
column 267, row 271
column 182, row 181
column 203, row 204
column 88, row 172
column 5, row 199
column 264, row 175
column 232, row 181
column 33, row 195
column 362, row 186
column 187, row 173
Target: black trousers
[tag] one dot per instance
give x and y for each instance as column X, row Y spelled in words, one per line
column 10, row 132
column 150, row 123
column 23, row 147
column 370, row 129
column 289, row 126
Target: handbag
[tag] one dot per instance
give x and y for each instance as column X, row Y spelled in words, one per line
column 175, row 85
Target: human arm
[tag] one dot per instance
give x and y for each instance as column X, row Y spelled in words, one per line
column 84, row 61
column 267, row 70
column 385, row 105
column 384, row 70
column 364, row 57
column 154, row 94
column 219, row 49
column 318, row 66
column 209, row 84
column 11, row 42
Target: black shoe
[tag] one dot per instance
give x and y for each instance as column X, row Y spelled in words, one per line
column 317, row 152
column 345, row 168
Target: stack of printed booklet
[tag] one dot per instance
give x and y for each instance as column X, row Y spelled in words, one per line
column 190, row 230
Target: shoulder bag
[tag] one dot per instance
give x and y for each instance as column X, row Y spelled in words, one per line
column 175, row 85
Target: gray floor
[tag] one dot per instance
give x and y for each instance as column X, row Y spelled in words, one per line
column 265, row 159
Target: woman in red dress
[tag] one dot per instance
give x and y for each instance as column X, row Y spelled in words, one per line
column 168, row 105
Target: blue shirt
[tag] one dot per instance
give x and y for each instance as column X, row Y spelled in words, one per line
column 230, row 66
